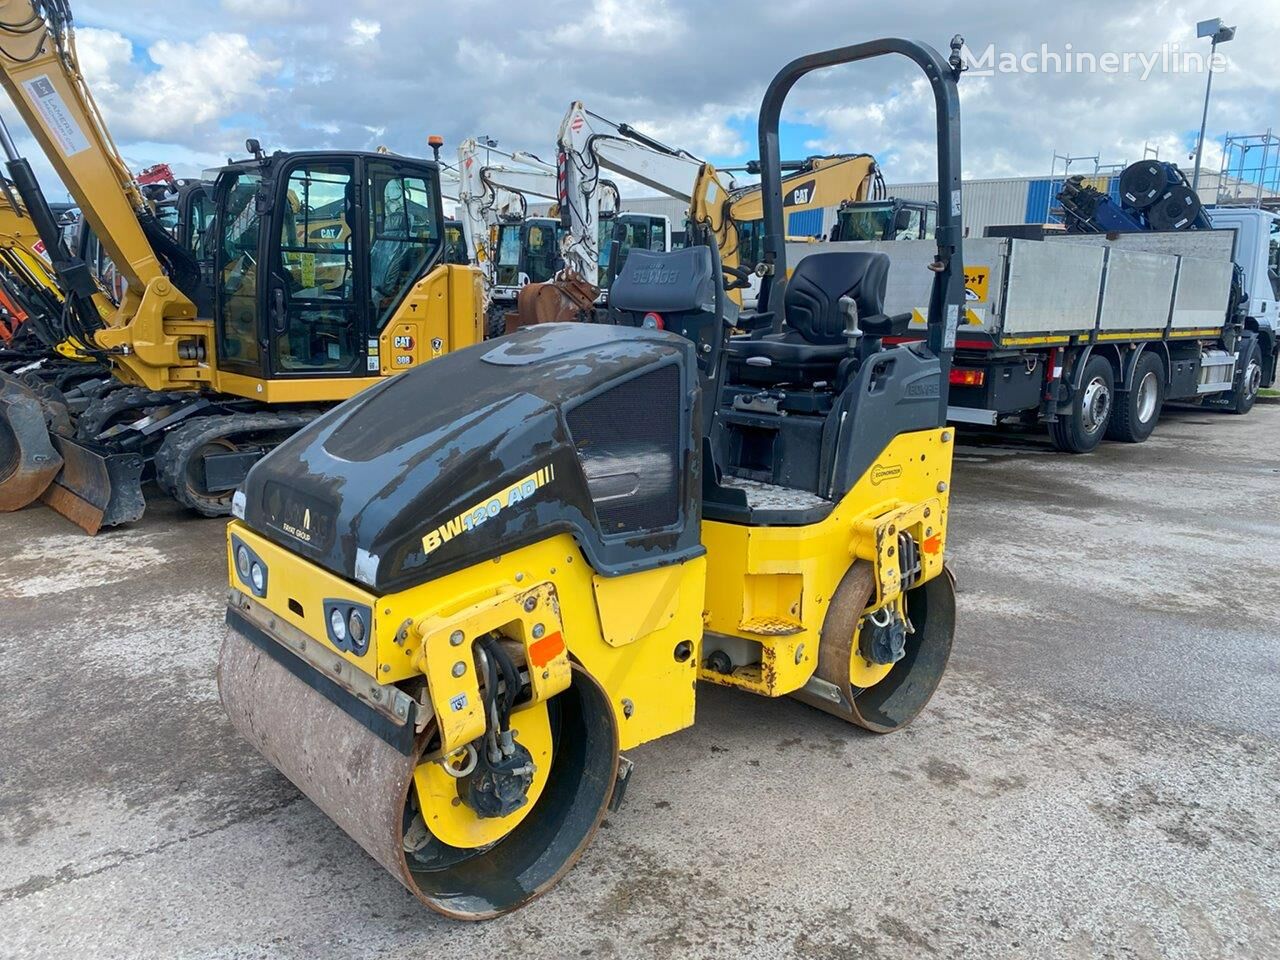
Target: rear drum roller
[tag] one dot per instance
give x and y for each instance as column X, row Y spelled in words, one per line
column 882, row 697
column 378, row 795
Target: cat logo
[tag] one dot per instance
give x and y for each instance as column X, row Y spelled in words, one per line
column 800, row 195
column 403, row 343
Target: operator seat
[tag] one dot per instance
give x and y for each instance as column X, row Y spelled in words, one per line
column 813, row 343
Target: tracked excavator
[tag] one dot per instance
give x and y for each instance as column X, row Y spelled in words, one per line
column 458, row 597
column 329, row 275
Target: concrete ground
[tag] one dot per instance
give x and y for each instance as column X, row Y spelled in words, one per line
column 1099, row 775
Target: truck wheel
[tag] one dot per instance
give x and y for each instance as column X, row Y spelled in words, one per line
column 1137, row 411
column 1082, row 429
column 1244, row 396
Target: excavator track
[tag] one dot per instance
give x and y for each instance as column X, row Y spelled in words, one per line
column 114, row 407
column 179, row 471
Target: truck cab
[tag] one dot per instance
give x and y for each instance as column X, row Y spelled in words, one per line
column 1257, row 253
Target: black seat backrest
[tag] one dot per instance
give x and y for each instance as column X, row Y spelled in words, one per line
column 818, row 283
column 665, row 282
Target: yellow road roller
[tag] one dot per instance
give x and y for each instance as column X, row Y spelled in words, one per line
column 458, row 596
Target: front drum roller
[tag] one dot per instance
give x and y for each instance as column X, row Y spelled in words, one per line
column 366, row 786
column 882, row 698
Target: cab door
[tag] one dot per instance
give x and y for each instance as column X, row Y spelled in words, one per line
column 315, row 290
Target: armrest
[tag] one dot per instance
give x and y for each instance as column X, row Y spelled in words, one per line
column 755, row 323
column 883, row 325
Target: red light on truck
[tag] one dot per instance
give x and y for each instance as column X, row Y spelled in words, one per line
column 968, row 378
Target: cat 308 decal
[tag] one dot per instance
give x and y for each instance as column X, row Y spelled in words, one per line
column 487, row 509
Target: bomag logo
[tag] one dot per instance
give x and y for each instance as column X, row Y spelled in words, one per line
column 487, row 509
column 881, row 473
column 654, row 274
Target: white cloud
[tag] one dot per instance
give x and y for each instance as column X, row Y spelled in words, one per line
column 622, row 25
column 704, row 132
column 263, row 9
column 195, row 83
column 363, row 32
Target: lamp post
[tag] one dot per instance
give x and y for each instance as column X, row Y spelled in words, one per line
column 1217, row 33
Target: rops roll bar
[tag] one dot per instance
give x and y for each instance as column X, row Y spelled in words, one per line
column 946, row 299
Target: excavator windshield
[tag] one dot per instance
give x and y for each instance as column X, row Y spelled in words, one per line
column 891, row 220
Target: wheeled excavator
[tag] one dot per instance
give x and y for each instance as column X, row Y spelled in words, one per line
column 328, row 276
column 457, row 599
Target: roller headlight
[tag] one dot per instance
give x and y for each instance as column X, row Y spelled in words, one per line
column 249, row 568
column 349, row 625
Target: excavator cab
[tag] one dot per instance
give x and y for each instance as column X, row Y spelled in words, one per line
column 315, row 251
column 457, row 597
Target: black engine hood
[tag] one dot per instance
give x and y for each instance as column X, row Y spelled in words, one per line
column 471, row 456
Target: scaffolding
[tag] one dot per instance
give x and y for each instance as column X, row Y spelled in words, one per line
column 1250, row 173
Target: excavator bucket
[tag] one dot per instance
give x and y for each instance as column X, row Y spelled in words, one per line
column 96, row 488
column 565, row 299
column 28, row 458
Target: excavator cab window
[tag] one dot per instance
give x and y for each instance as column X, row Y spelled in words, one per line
column 510, row 254
column 200, row 219
column 404, row 233
column 239, row 228
column 455, row 243
column 317, row 330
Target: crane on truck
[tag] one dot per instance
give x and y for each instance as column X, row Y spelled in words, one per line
column 328, row 276
column 521, row 560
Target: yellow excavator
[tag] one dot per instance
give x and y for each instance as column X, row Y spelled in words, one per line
column 328, row 275
column 458, row 597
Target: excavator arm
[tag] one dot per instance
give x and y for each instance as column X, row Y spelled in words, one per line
column 816, row 184
column 588, row 143
column 486, row 189
column 152, row 337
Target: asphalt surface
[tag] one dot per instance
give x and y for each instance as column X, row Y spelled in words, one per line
column 1097, row 777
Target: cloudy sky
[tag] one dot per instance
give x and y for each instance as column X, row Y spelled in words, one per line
column 186, row 81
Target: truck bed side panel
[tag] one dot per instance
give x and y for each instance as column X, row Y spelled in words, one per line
column 1138, row 291
column 1051, row 289
column 1204, row 287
